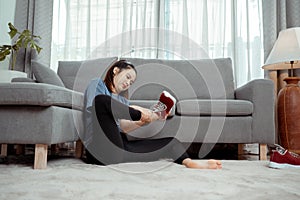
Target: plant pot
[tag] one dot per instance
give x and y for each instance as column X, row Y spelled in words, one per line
column 288, row 115
column 7, row 75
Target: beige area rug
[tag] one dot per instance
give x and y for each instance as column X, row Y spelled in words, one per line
column 70, row 178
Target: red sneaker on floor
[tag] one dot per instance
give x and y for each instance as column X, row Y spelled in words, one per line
column 282, row 158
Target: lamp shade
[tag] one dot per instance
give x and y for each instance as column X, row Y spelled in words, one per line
column 286, row 47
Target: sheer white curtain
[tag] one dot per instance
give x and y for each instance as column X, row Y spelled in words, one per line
column 169, row 29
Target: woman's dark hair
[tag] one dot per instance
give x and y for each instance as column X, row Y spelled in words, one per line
column 109, row 77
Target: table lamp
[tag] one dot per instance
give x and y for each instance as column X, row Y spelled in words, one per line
column 286, row 49
column 286, row 53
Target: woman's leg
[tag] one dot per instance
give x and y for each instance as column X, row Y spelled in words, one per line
column 106, row 112
column 155, row 149
column 169, row 148
column 107, row 145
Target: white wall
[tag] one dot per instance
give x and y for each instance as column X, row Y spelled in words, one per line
column 7, row 13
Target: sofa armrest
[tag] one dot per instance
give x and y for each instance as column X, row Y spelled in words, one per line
column 23, row 79
column 261, row 93
column 39, row 94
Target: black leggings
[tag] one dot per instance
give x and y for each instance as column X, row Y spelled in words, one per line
column 110, row 146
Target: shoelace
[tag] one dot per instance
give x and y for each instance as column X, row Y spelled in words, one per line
column 282, row 150
column 294, row 154
column 158, row 107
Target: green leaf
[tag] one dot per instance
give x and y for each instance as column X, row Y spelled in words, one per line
column 16, row 47
column 2, row 58
column 26, row 41
column 2, row 48
column 12, row 34
column 26, row 33
column 11, row 27
column 38, row 49
column 19, row 41
column 5, row 50
column 13, row 31
column 33, row 45
column 4, row 53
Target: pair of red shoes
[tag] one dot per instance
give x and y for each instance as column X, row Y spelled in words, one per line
column 282, row 158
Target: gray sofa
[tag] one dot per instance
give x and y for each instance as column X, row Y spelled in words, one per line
column 209, row 108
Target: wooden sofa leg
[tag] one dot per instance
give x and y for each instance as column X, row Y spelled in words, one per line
column 20, row 149
column 263, row 149
column 4, row 150
column 241, row 149
column 79, row 149
column 40, row 156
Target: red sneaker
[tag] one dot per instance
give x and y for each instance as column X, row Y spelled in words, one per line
column 282, row 158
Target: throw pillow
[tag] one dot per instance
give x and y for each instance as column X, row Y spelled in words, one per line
column 44, row 74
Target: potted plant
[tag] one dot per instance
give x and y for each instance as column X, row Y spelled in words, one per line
column 25, row 39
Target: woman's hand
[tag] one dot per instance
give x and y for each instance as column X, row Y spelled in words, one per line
column 147, row 115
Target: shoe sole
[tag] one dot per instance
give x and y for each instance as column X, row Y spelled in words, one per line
column 282, row 166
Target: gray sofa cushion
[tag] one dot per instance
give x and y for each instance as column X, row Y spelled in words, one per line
column 44, row 74
column 185, row 79
column 39, row 94
column 199, row 107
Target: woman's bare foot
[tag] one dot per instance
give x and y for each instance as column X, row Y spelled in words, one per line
column 209, row 164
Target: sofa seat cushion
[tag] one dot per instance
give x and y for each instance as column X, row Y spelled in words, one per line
column 39, row 94
column 217, row 107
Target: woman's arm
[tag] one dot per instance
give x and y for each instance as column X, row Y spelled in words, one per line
column 128, row 126
column 147, row 116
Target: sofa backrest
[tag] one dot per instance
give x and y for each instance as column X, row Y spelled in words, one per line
column 76, row 75
column 185, row 79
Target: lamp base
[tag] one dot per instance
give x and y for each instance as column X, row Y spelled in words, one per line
column 288, row 114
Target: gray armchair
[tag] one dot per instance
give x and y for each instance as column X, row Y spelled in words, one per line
column 46, row 110
column 40, row 114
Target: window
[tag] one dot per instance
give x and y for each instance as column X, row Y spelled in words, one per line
column 169, row 29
